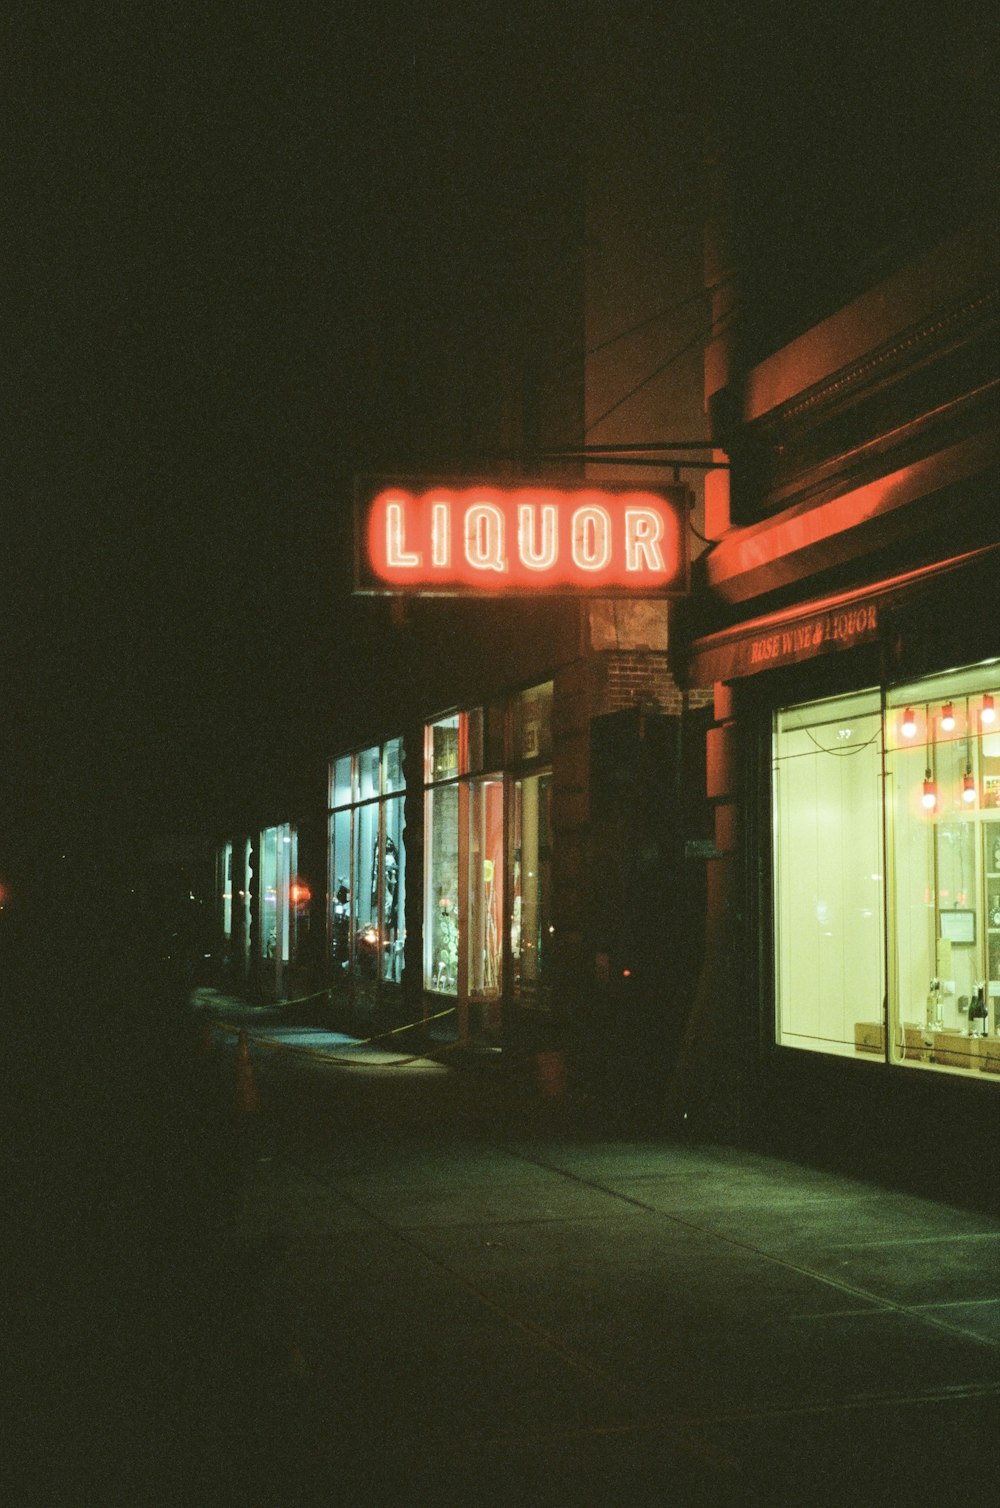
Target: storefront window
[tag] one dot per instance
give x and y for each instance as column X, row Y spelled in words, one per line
column 341, row 784
column 485, row 887
column 277, row 862
column 488, row 871
column 909, row 791
column 531, row 889
column 242, row 909
column 340, row 893
column 299, row 898
column 531, row 723
column 828, row 872
column 441, row 910
column 367, row 867
column 368, row 774
column 943, row 762
column 365, row 920
column 226, row 891
column 268, row 893
column 392, row 888
column 471, row 742
column 464, row 871
column 392, row 767
column 441, row 755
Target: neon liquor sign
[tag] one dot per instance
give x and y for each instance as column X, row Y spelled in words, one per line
column 520, row 539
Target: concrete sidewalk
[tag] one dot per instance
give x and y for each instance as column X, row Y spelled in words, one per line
column 452, row 1290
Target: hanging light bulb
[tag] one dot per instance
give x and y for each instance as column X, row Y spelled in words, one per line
column 947, row 717
column 908, row 726
column 929, row 798
column 969, row 792
column 988, row 713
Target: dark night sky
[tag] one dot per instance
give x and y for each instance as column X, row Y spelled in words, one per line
column 202, row 205
column 204, row 197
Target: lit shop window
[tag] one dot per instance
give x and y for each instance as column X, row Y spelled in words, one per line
column 453, row 753
column 530, row 858
column 887, row 846
column 242, row 909
column 485, row 887
column 282, row 898
column 943, row 825
column 531, row 723
column 828, row 901
column 531, row 927
column 366, row 875
column 226, row 891
column 489, row 845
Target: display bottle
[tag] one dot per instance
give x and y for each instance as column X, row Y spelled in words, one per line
column 933, row 1010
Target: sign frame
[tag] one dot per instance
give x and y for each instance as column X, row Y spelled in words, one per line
column 628, row 536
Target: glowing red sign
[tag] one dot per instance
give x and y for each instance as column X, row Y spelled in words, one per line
column 522, row 539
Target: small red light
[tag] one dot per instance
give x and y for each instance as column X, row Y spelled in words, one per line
column 626, row 973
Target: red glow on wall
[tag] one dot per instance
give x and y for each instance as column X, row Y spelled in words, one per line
column 489, row 540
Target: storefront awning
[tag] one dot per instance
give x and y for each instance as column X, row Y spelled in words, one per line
column 822, row 626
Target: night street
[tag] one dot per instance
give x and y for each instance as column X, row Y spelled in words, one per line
column 402, row 1282
column 500, row 756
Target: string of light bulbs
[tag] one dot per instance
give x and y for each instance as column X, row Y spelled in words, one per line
column 987, row 713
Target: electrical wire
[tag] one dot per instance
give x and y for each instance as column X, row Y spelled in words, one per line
column 644, row 324
column 696, row 340
column 688, row 346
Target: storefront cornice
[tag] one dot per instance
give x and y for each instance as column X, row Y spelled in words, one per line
column 917, row 306
column 809, row 537
column 825, row 624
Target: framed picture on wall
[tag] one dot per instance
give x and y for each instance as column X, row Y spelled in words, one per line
column 958, row 926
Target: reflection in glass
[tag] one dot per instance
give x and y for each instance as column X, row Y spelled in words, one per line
column 441, row 752
column 485, row 958
column 392, row 766
column 365, row 920
column 392, row 886
column 366, row 873
column 531, row 889
column 441, row 902
column 828, row 872
column 340, row 893
column 946, row 862
column 226, row 882
column 268, row 893
column 368, row 774
column 531, row 723
column 341, row 789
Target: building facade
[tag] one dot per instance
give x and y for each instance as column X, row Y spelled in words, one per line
column 744, row 852
column 504, row 872
column 845, row 619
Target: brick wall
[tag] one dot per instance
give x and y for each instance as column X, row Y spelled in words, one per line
column 639, row 678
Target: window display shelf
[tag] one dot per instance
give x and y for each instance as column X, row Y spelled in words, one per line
column 949, row 1049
